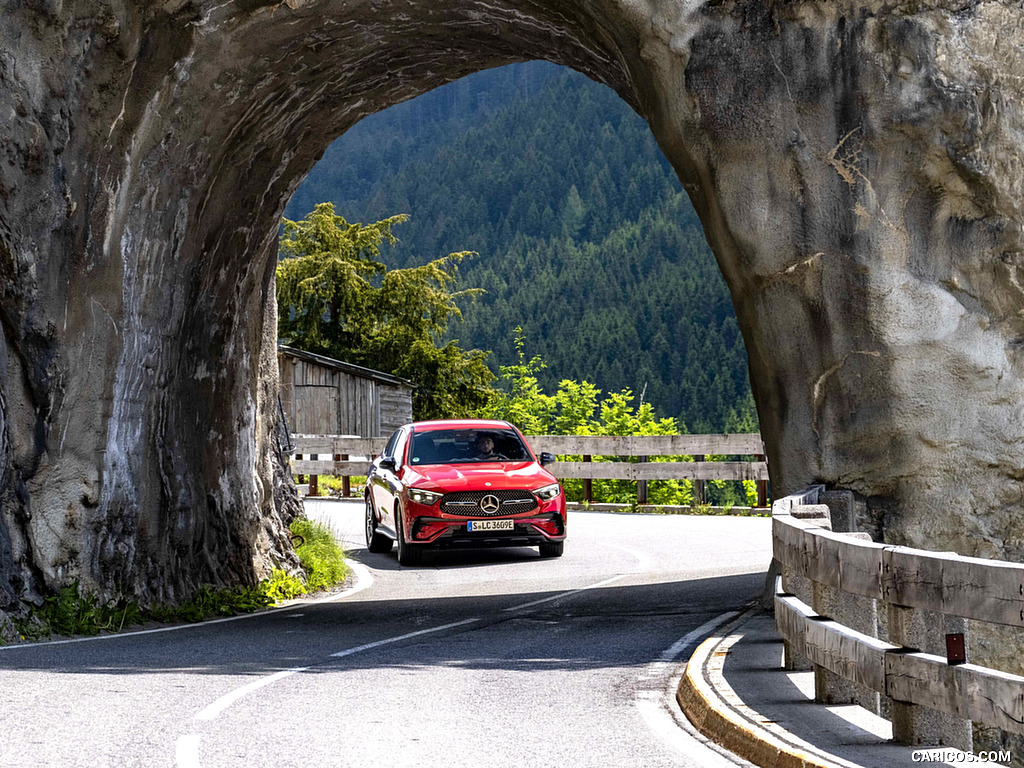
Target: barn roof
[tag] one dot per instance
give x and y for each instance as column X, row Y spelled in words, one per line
column 339, row 365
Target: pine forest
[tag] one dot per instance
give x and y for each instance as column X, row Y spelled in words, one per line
column 583, row 237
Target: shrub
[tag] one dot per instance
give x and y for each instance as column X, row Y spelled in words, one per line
column 211, row 601
column 280, row 586
column 320, row 554
column 70, row 612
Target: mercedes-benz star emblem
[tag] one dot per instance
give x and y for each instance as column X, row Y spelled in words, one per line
column 489, row 503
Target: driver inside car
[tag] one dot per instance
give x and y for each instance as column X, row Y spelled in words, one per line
column 485, row 448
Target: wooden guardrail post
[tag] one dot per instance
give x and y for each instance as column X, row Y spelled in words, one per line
column 698, row 485
column 314, row 488
column 762, row 487
column 346, row 481
column 588, row 484
column 859, row 614
column 799, row 585
column 853, row 611
column 641, row 485
column 913, row 724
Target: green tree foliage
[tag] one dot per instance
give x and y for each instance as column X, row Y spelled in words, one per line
column 576, row 408
column 585, row 237
column 335, row 298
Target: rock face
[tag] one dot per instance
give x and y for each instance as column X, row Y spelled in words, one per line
column 855, row 165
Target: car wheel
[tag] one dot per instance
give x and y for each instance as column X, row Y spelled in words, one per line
column 552, row 548
column 376, row 541
column 407, row 555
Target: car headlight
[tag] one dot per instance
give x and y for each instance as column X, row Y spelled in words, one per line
column 423, row 497
column 548, row 492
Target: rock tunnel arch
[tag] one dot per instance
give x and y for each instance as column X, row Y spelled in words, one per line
column 854, row 166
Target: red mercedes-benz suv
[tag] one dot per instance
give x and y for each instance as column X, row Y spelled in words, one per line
column 468, row 483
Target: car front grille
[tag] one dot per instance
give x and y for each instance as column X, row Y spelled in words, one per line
column 468, row 503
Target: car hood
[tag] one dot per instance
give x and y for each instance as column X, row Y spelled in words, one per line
column 501, row 475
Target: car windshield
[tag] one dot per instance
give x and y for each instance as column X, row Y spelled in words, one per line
column 467, row 446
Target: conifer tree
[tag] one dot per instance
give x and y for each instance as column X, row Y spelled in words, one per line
column 336, row 299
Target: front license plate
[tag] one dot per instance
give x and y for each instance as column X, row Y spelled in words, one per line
column 492, row 525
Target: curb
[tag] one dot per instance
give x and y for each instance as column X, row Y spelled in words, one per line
column 708, row 708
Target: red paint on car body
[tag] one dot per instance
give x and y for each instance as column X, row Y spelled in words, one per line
column 467, row 477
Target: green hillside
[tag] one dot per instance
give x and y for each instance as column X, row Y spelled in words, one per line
column 584, row 236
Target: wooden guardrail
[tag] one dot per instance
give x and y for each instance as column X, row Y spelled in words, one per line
column 908, row 582
column 587, row 446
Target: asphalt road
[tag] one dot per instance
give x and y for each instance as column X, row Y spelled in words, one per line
column 491, row 658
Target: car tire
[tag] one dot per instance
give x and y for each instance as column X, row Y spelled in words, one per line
column 407, row 555
column 552, row 548
column 376, row 541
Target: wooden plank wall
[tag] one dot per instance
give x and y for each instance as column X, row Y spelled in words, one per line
column 359, row 405
column 320, row 400
column 649, row 445
column 395, row 407
column 315, row 397
column 969, row 691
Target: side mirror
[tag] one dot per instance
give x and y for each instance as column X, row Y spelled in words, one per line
column 547, row 458
column 387, row 463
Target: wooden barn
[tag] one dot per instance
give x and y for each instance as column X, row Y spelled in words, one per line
column 321, row 396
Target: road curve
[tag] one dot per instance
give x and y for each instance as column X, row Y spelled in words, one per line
column 491, row 658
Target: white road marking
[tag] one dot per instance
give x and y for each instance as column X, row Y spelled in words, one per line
column 364, row 579
column 214, row 709
column 662, row 668
column 564, row 594
column 673, row 733
column 225, row 701
column 657, row 705
column 134, row 633
column 680, row 645
column 368, row 646
column 186, row 751
column 210, row 712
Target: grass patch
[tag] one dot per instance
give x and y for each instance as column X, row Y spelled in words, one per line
column 70, row 612
column 320, row 554
column 283, row 586
column 210, row 601
column 73, row 612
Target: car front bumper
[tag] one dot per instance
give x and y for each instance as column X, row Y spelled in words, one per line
column 529, row 530
column 427, row 524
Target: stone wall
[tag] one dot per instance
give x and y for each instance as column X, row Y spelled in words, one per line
column 855, row 166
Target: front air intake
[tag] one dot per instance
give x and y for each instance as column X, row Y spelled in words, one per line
column 477, row 503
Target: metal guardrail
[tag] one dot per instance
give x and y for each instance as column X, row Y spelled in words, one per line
column 643, row 447
column 909, row 583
